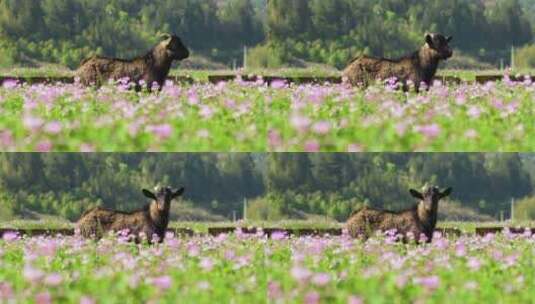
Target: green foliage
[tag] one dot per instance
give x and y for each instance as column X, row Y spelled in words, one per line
column 278, row 186
column 525, row 209
column 266, row 56
column 332, row 32
column 525, row 57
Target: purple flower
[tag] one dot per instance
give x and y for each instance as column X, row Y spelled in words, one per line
column 10, row 84
column 162, row 131
column 430, row 131
column 86, row 300
column 431, row 282
column 274, row 138
column 206, row 264
column 355, row 300
column 53, row 127
column 53, row 279
column 300, row 274
column 43, row 298
column 474, row 112
column 279, row 84
column 312, row 146
column 206, row 112
column 31, row 274
column 300, row 123
column 321, row 279
column 44, row 146
column 278, row 235
column 11, row 236
column 474, row 264
column 6, row 291
column 274, row 290
column 312, row 297
column 322, row 127
column 354, row 148
column 162, row 283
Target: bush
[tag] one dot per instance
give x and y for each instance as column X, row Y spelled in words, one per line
column 266, row 56
column 525, row 209
column 525, row 57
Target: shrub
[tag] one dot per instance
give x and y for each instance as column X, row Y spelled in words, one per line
column 525, row 209
column 266, row 56
column 525, row 57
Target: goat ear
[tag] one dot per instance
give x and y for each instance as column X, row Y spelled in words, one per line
column 429, row 39
column 449, row 39
column 178, row 192
column 416, row 194
column 446, row 192
column 149, row 194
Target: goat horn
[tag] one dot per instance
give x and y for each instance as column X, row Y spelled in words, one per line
column 165, row 35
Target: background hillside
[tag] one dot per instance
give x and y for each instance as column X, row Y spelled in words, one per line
column 277, row 186
column 281, row 31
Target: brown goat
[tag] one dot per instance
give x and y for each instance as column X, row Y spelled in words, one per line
column 151, row 220
column 150, row 68
column 420, row 66
column 418, row 220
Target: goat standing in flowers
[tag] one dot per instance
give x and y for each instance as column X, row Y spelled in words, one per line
column 153, row 67
column 418, row 67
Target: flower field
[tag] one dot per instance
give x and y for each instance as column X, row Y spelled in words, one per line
column 240, row 268
column 240, row 116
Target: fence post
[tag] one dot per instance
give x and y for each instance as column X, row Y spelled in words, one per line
column 512, row 209
column 513, row 57
column 245, row 57
column 245, row 209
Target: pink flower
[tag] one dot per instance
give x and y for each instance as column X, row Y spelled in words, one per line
column 10, row 84
column 43, row 298
column 312, row 297
column 206, row 264
column 274, row 138
column 53, row 127
column 279, row 84
column 354, row 148
column 312, row 146
column 6, row 138
column 321, row 279
column 86, row 300
column 278, row 235
column 321, row 128
column 53, row 279
column 429, row 131
column 11, row 236
column 300, row 274
column 31, row 274
column 471, row 134
column 163, row 282
column 32, row 123
column 432, row 282
column 163, row 131
column 354, row 300
column 460, row 249
column 300, row 123
column 44, row 146
column 193, row 97
column 87, row 148
column 474, row 264
column 6, row 291
column 206, row 112
column 474, row 112
column 274, row 290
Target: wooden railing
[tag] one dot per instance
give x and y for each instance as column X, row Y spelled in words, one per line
column 481, row 79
